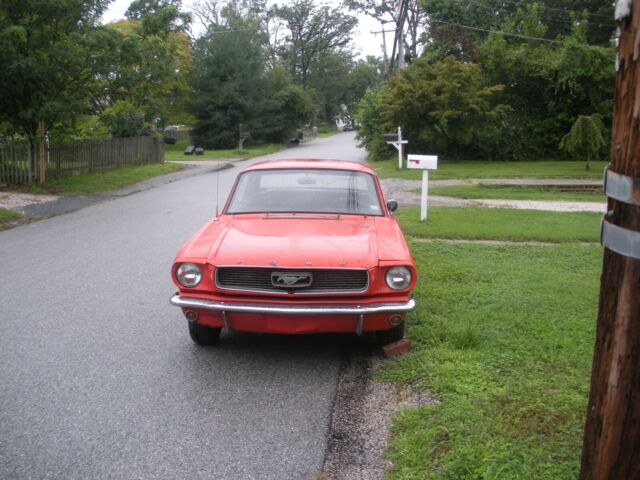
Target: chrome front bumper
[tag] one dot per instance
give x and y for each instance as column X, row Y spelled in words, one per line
column 309, row 309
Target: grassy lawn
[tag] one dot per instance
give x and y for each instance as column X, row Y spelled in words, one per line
column 515, row 193
column 10, row 218
column 109, row 180
column 503, row 337
column 479, row 223
column 176, row 152
column 481, row 169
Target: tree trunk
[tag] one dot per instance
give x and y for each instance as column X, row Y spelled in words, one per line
column 42, row 158
column 611, row 449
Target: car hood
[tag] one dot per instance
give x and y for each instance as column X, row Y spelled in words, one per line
column 253, row 240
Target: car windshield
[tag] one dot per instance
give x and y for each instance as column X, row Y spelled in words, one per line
column 305, row 191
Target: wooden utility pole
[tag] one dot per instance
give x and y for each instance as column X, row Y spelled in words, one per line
column 384, row 49
column 402, row 13
column 611, row 449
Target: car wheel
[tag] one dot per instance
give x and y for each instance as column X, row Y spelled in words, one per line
column 395, row 334
column 204, row 335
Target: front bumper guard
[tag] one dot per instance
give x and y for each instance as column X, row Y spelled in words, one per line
column 309, row 309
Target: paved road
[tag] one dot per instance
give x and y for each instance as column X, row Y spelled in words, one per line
column 99, row 378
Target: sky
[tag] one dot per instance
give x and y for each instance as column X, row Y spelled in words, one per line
column 365, row 42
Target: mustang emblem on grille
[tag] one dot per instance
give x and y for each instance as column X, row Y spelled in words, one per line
column 291, row 279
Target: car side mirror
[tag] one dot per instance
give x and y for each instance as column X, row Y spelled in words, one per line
column 392, row 206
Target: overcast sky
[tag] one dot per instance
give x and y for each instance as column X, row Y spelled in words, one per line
column 365, row 42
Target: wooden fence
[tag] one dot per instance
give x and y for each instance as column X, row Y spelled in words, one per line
column 79, row 158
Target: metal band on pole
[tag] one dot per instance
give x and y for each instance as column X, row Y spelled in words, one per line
column 620, row 240
column 625, row 189
column 621, row 187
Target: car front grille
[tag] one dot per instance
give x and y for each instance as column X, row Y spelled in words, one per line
column 312, row 280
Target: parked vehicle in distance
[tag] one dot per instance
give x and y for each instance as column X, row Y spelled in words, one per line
column 301, row 246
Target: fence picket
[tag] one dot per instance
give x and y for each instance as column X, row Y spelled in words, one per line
column 82, row 157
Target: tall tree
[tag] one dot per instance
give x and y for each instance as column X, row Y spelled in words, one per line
column 313, row 33
column 444, row 107
column 49, row 52
column 227, row 82
column 387, row 12
column 148, row 68
column 569, row 76
column 159, row 16
column 457, row 27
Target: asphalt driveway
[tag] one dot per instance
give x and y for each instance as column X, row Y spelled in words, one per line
column 99, row 377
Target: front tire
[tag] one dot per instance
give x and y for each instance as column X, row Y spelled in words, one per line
column 203, row 335
column 395, row 334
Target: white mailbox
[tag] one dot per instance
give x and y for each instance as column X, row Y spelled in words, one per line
column 423, row 162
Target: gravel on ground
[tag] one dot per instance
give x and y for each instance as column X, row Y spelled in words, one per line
column 16, row 200
column 403, row 192
column 524, row 182
column 548, row 205
column 361, row 418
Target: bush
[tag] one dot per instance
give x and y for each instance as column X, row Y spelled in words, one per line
column 124, row 119
column 370, row 130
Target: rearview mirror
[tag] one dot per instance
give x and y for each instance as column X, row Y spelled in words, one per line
column 392, row 206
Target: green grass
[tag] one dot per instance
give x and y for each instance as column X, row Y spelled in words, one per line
column 10, row 218
column 176, row 152
column 109, row 180
column 515, row 193
column 481, row 169
column 478, row 223
column 503, row 337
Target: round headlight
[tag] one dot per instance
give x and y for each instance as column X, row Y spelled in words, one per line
column 189, row 275
column 398, row 278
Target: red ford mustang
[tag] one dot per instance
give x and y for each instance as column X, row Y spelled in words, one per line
column 302, row 246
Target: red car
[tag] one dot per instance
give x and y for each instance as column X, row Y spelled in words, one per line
column 302, row 246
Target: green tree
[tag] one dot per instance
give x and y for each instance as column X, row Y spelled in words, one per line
column 586, row 139
column 312, row 34
column 159, row 16
column 568, row 78
column 50, row 56
column 371, row 126
column 458, row 27
column 147, row 69
column 228, row 82
column 444, row 107
column 124, row 119
column 283, row 108
column 364, row 75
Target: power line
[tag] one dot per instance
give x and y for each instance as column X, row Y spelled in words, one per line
column 508, row 34
column 591, row 14
column 544, row 7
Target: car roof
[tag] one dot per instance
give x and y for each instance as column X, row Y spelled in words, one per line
column 311, row 163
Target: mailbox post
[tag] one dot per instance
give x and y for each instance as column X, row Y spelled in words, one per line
column 396, row 140
column 424, row 163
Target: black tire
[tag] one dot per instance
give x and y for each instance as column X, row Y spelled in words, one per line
column 395, row 334
column 204, row 335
